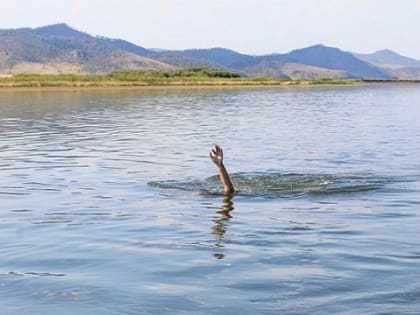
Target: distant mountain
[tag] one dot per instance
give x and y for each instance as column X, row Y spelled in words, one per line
column 292, row 71
column 178, row 59
column 225, row 57
column 126, row 46
column 334, row 59
column 60, row 30
column 60, row 49
column 328, row 61
column 388, row 58
column 404, row 73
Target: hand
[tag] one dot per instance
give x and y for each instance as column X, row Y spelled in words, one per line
column 216, row 155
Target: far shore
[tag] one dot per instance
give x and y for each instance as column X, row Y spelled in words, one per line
column 122, row 84
column 140, row 85
column 200, row 77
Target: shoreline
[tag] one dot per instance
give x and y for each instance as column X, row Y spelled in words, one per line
column 14, row 84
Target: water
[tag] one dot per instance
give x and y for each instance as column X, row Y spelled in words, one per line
column 109, row 201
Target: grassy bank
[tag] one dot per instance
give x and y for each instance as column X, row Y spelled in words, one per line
column 183, row 77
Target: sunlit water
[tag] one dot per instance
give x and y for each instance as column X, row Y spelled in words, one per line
column 110, row 204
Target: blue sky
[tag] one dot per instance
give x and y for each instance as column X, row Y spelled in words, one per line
column 249, row 26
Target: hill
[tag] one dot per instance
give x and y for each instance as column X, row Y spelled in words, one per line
column 212, row 57
column 396, row 65
column 388, row 58
column 293, row 71
column 311, row 62
column 60, row 30
column 61, row 49
column 181, row 60
column 225, row 57
column 333, row 59
column 404, row 73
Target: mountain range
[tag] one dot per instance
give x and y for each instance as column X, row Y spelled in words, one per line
column 60, row 48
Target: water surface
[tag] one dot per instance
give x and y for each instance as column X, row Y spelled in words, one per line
column 110, row 204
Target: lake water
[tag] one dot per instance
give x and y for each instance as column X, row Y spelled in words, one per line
column 109, row 204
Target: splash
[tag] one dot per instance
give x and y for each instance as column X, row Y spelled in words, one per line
column 277, row 185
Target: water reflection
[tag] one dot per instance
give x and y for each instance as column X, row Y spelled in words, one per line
column 221, row 223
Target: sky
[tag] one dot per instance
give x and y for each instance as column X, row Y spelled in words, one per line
column 248, row 26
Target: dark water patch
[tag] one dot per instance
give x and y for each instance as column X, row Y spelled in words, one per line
column 278, row 185
column 189, row 185
column 410, row 256
column 14, row 193
column 32, row 273
column 394, row 215
column 79, row 214
column 53, row 222
column 45, row 189
column 103, row 197
column 266, row 285
column 21, row 210
column 36, row 183
column 338, row 232
column 12, row 187
column 40, row 168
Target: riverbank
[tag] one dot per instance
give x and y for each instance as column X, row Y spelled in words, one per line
column 184, row 77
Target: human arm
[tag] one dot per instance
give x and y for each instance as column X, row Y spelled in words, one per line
column 216, row 155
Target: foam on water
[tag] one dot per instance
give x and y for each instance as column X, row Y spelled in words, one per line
column 279, row 185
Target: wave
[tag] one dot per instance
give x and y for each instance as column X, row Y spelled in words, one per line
column 278, row 185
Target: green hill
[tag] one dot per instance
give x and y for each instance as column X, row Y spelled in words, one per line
column 58, row 48
column 311, row 62
column 61, row 49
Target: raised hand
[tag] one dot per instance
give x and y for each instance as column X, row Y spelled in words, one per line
column 216, row 155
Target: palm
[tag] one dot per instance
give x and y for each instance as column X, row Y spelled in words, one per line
column 216, row 155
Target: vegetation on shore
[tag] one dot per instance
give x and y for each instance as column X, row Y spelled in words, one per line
column 180, row 77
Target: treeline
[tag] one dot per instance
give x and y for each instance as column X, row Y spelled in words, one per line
column 174, row 74
column 136, row 75
column 131, row 78
column 177, row 77
column 33, row 47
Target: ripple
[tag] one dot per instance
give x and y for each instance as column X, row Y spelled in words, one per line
column 45, row 189
column 15, row 193
column 73, row 295
column 278, row 185
column 32, row 273
column 103, row 197
column 52, row 222
column 325, row 220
